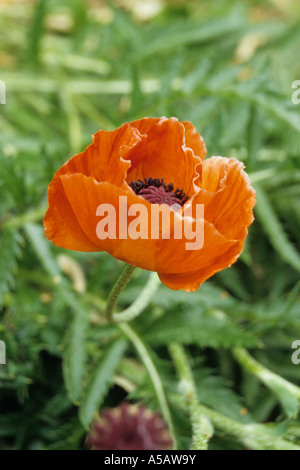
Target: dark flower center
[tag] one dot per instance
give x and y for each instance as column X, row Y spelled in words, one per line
column 157, row 192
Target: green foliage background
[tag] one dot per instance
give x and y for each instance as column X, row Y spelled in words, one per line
column 72, row 67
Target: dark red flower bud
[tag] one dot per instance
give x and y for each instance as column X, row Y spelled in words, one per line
column 129, row 427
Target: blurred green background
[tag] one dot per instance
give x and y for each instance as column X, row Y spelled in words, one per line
column 72, row 67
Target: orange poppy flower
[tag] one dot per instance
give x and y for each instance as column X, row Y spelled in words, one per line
column 151, row 162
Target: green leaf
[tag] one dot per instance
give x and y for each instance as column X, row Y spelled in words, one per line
column 288, row 398
column 74, row 358
column 189, row 328
column 100, row 382
column 282, row 179
column 209, row 31
column 10, row 241
column 286, row 392
column 36, row 30
column 75, row 352
column 269, row 220
column 39, row 244
column 215, row 391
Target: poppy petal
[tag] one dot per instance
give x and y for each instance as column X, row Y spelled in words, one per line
column 228, row 200
column 227, row 195
column 105, row 159
column 84, row 195
column 162, row 154
column 173, row 256
column 60, row 222
column 191, row 281
column 194, row 140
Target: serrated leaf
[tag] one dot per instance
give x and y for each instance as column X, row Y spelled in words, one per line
column 215, row 391
column 75, row 352
column 272, row 226
column 10, row 245
column 102, row 378
column 186, row 328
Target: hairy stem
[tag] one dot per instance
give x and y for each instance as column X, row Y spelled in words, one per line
column 253, row 436
column 201, row 427
column 140, row 303
column 273, row 381
column 117, row 291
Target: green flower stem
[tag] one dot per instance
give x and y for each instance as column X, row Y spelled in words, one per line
column 201, row 427
column 140, row 303
column 253, row 436
column 153, row 373
column 269, row 378
column 117, row 291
